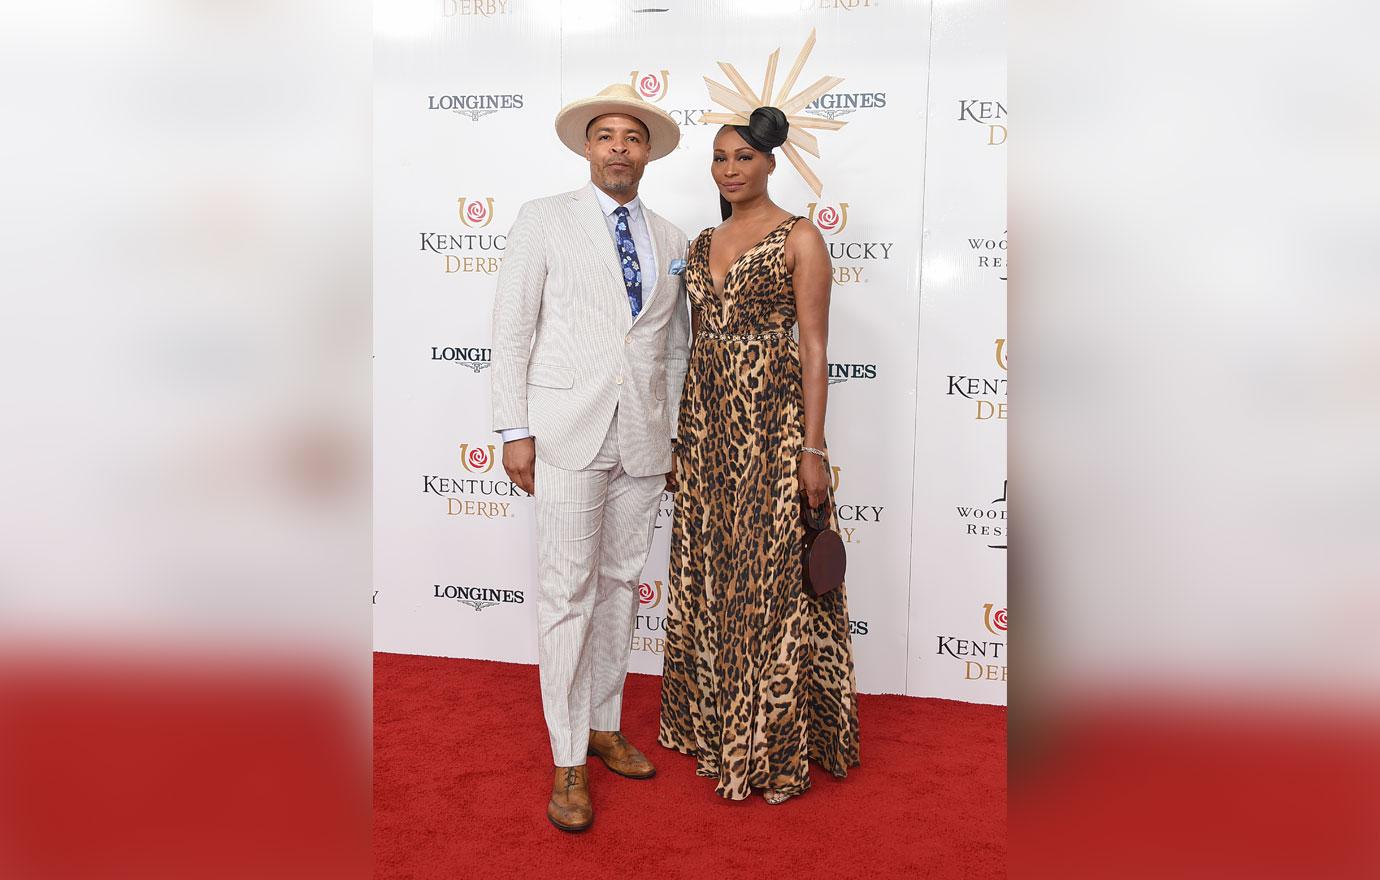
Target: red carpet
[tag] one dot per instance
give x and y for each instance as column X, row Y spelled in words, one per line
column 462, row 773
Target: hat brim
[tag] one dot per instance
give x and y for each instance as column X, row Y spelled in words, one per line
column 575, row 117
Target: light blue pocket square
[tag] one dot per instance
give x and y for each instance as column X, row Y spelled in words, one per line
column 677, row 267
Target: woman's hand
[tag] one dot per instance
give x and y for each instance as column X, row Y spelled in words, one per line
column 814, row 479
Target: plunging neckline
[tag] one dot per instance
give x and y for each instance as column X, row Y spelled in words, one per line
column 709, row 258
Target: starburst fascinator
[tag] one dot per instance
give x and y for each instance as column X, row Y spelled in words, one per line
column 742, row 102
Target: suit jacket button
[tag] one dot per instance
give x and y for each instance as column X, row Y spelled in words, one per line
column 620, row 380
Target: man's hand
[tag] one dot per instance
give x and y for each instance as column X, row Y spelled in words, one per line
column 520, row 461
column 671, row 477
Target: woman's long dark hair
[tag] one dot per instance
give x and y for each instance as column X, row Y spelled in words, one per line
column 766, row 130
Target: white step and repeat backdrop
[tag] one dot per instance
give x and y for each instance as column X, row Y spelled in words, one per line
column 913, row 209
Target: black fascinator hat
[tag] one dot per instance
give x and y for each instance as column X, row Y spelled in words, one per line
column 766, row 130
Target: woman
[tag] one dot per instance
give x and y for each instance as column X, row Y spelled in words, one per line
column 758, row 676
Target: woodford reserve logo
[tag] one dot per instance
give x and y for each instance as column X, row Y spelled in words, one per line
column 850, row 258
column 475, row 496
column 990, row 254
column 988, row 392
column 986, row 522
column 666, row 510
column 469, row 253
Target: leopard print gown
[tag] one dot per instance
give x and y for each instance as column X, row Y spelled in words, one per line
column 758, row 678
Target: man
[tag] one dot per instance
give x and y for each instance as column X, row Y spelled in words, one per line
column 590, row 347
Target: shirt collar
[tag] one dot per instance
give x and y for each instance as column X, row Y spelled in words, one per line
column 608, row 205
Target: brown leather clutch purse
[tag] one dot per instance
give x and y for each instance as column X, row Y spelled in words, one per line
column 823, row 561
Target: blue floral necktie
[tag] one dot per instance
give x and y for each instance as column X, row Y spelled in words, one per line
column 627, row 254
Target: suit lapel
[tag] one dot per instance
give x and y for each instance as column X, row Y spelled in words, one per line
column 591, row 219
column 660, row 249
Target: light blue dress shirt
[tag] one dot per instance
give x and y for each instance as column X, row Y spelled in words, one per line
column 646, row 258
column 641, row 235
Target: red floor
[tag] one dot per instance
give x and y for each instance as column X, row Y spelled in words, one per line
column 462, row 775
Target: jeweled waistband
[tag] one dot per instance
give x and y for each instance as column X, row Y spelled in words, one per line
column 769, row 334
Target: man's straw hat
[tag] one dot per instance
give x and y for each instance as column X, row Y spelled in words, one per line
column 575, row 117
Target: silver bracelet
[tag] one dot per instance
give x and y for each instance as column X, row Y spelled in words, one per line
column 818, row 452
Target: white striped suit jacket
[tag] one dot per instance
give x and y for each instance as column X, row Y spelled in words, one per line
column 566, row 349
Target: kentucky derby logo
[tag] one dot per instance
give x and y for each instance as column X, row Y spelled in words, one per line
column 831, row 219
column 741, row 100
column 476, row 214
column 985, row 113
column 477, row 459
column 650, row 86
column 995, row 621
column 1001, row 353
column 482, row 8
column 847, row 5
column 649, row 595
column 849, row 515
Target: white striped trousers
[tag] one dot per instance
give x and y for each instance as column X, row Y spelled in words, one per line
column 594, row 530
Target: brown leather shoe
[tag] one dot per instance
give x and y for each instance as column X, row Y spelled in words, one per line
column 619, row 755
column 570, row 808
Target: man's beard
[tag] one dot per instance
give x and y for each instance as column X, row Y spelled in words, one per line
column 620, row 183
column 617, row 181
